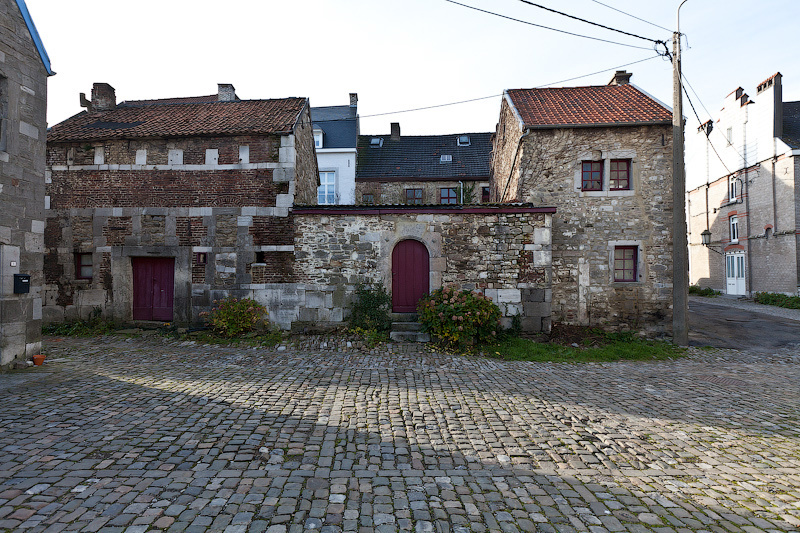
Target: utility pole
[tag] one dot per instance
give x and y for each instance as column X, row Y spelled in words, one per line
column 680, row 262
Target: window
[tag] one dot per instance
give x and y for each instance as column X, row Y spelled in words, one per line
column 317, row 139
column 261, row 257
column 734, row 224
column 619, row 178
column 326, row 193
column 485, row 195
column 201, row 258
column 376, row 142
column 733, row 188
column 626, row 259
column 368, row 199
column 447, row 196
column 446, row 159
column 463, row 140
column 83, row 266
column 413, row 196
column 729, row 135
column 592, row 176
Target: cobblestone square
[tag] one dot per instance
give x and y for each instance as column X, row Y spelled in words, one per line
column 131, row 435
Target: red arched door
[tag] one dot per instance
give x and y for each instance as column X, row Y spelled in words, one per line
column 410, row 274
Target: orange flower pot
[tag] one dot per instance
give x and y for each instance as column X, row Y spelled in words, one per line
column 38, row 359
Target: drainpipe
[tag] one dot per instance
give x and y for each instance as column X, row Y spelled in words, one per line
column 749, row 265
column 461, row 186
column 514, row 164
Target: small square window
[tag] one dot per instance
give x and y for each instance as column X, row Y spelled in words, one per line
column 201, row 258
column 592, row 176
column 485, row 195
column 446, row 159
column 376, row 142
column 368, row 199
column 620, row 175
column 463, row 140
column 626, row 260
column 413, row 196
column 447, row 196
column 83, row 266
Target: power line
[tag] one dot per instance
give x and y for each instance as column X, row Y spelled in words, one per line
column 545, row 27
column 588, row 21
column 632, row 16
column 707, row 135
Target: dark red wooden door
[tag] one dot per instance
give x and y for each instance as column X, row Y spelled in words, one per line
column 410, row 273
column 153, row 286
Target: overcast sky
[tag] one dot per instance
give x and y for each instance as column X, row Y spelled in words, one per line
column 400, row 55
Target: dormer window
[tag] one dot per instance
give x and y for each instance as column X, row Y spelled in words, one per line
column 317, row 138
column 446, row 159
column 376, row 142
column 463, row 140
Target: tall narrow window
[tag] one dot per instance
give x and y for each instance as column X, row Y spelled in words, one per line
column 413, row 196
column 4, row 127
column 592, row 176
column 83, row 266
column 447, row 196
column 620, row 175
column 326, row 194
column 626, row 259
column 734, row 223
column 733, row 189
column 485, row 195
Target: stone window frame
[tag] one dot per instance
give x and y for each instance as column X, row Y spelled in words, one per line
column 640, row 265
column 80, row 264
column 606, row 156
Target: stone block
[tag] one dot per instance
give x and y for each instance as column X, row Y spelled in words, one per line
column 531, row 325
column 536, row 309
column 315, row 299
column 542, row 236
column 508, row 296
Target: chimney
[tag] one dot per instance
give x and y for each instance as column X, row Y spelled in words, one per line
column 621, row 77
column 395, row 131
column 774, row 83
column 353, row 100
column 226, row 92
column 104, row 98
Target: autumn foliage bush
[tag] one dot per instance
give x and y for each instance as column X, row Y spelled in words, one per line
column 459, row 319
column 232, row 317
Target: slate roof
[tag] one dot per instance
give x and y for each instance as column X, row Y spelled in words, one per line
column 339, row 125
column 132, row 120
column 791, row 124
column 605, row 105
column 419, row 157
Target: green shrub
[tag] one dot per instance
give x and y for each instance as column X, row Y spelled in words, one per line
column 459, row 319
column 370, row 309
column 233, row 317
column 700, row 291
column 777, row 299
column 94, row 325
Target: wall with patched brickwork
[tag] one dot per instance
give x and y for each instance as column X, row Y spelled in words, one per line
column 394, row 192
column 23, row 102
column 587, row 226
column 501, row 252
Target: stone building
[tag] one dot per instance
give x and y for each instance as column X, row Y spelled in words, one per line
column 426, row 169
column 749, row 203
column 602, row 156
column 159, row 207
column 24, row 68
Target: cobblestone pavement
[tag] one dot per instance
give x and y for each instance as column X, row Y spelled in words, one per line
column 145, row 434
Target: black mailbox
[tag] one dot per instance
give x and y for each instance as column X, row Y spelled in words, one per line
column 22, row 283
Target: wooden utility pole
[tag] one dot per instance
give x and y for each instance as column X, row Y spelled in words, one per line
column 680, row 262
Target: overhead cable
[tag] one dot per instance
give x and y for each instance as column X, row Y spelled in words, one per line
column 632, row 16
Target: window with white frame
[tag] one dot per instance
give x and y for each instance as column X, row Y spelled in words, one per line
column 733, row 188
column 317, row 138
column 734, row 225
column 326, row 193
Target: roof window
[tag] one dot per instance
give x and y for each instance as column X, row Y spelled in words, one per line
column 446, row 159
column 463, row 140
column 376, row 142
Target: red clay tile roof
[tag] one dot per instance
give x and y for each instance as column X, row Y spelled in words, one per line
column 587, row 106
column 243, row 117
column 181, row 100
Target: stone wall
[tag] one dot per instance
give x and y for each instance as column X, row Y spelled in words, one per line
column 503, row 252
column 23, row 126
column 394, row 192
column 505, row 156
column 589, row 225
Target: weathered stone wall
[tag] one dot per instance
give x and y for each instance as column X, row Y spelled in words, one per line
column 587, row 226
column 505, row 155
column 23, row 126
column 225, row 198
column 394, row 192
column 502, row 252
column 305, row 159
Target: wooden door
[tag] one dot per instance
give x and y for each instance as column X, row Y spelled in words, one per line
column 153, row 288
column 410, row 275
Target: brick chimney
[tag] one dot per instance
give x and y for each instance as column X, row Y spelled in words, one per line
column 395, row 131
column 353, row 100
column 104, row 98
column 621, row 77
column 226, row 92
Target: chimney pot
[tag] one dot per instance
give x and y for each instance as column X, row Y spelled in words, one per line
column 395, row 131
column 226, row 92
column 353, row 99
column 621, row 77
column 104, row 98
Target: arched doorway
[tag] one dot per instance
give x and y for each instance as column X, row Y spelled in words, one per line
column 410, row 275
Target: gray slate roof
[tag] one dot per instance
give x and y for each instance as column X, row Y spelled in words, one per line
column 791, row 124
column 339, row 125
column 419, row 157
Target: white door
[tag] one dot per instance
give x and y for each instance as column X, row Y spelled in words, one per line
column 734, row 273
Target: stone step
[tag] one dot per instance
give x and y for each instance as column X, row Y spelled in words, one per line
column 406, row 326
column 409, row 336
column 403, row 317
